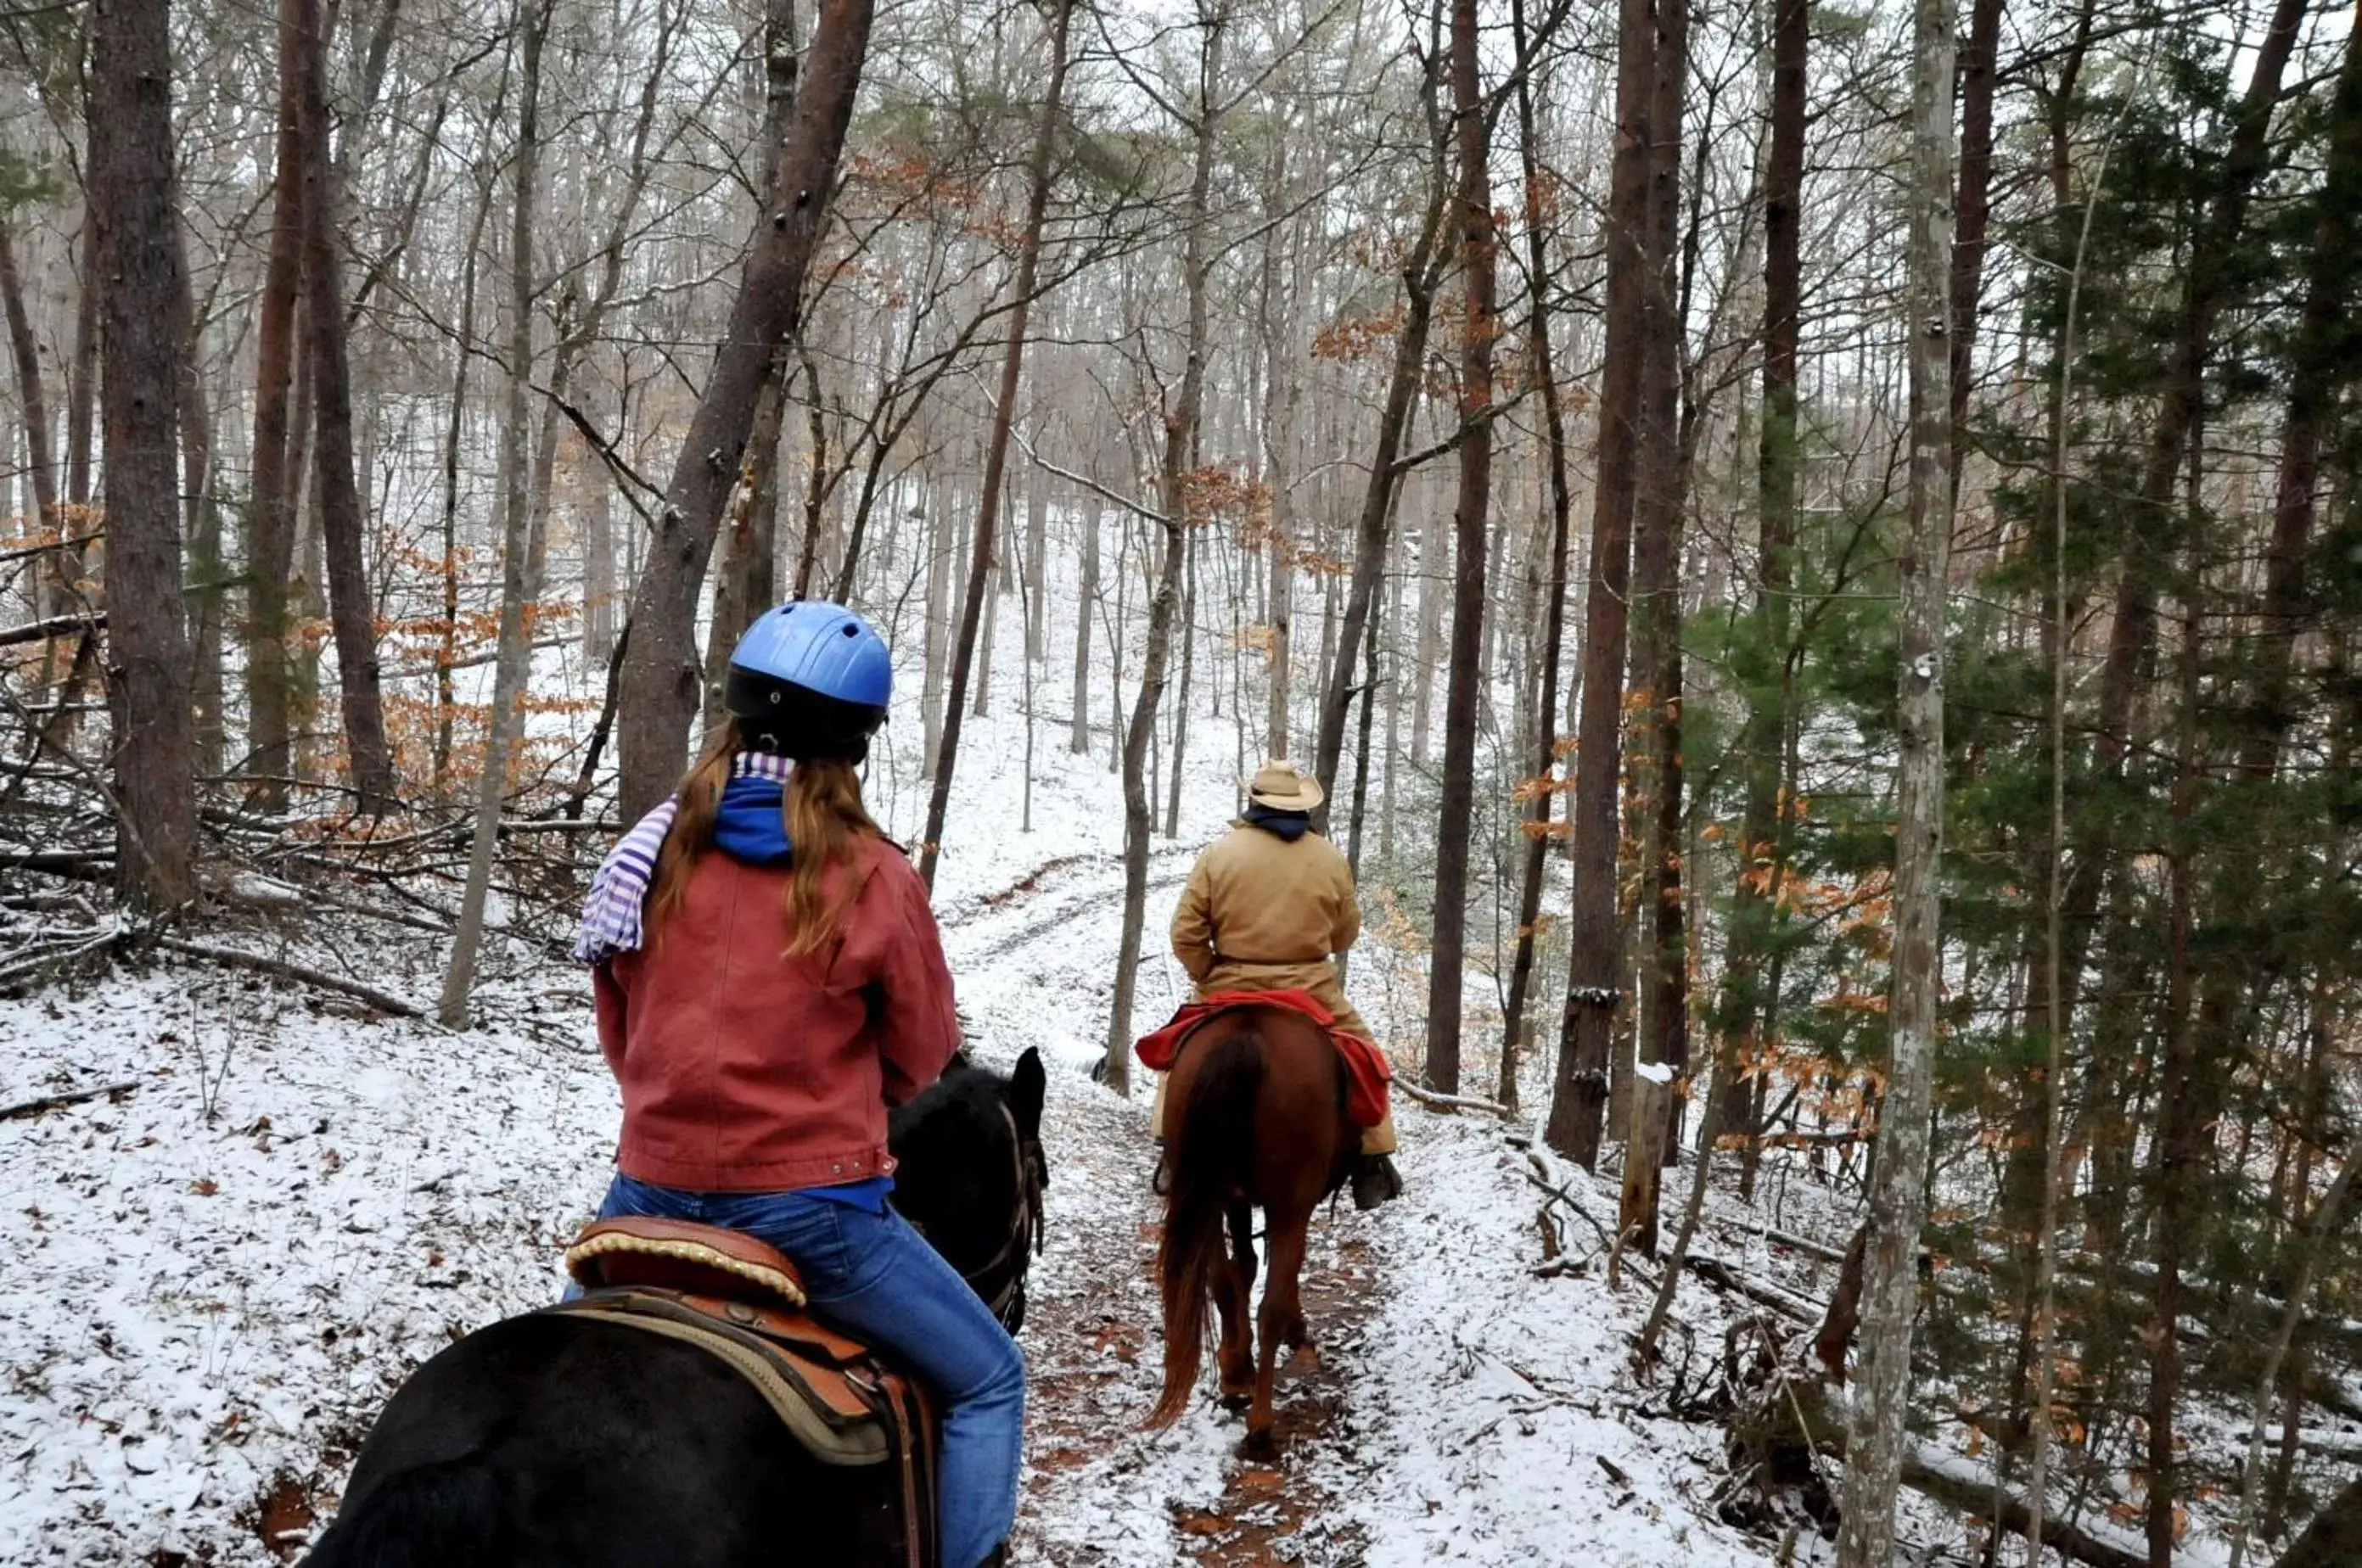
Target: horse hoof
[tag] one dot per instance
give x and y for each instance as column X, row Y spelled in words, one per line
column 1305, row 1358
column 1236, row 1402
column 1264, row 1444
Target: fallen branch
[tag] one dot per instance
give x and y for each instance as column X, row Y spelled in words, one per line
column 1430, row 1099
column 267, row 893
column 1970, row 1488
column 1763, row 1292
column 1804, row 1244
column 1539, row 1177
column 97, row 865
column 76, row 542
column 55, row 627
column 2328, row 1441
column 236, row 957
column 71, row 1097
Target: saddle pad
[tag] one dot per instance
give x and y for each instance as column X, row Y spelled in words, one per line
column 832, row 1409
column 1367, row 1071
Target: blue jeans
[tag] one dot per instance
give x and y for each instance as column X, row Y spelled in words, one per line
column 872, row 1276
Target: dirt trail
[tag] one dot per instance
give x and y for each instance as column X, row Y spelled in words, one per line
column 1097, row 1347
column 1093, row 1335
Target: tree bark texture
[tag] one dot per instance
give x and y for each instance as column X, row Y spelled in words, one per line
column 661, row 672
column 1478, row 248
column 1662, row 1002
column 1898, row 1180
column 1554, row 608
column 352, row 610
column 504, row 723
column 1755, row 919
column 1594, row 984
column 145, row 336
column 272, row 496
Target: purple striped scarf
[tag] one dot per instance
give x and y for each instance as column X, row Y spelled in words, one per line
column 619, row 893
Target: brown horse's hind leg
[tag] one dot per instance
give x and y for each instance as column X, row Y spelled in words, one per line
column 1280, row 1320
column 1233, row 1300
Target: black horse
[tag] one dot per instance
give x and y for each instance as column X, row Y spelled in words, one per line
column 553, row 1441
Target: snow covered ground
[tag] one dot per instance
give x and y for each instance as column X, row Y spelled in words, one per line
column 215, row 1274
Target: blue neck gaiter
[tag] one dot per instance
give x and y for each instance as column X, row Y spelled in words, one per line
column 749, row 829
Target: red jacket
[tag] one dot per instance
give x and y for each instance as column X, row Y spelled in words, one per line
column 743, row 1070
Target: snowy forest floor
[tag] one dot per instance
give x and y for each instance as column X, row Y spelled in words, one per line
column 218, row 1272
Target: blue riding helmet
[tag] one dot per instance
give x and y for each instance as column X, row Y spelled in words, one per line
column 810, row 679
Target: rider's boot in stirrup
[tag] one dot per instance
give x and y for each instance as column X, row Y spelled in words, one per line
column 1376, row 1181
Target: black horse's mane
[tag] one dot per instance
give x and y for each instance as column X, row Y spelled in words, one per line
column 954, row 1120
column 962, row 1175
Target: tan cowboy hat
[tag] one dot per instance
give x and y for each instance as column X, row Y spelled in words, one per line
column 1278, row 786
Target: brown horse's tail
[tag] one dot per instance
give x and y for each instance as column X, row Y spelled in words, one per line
column 1211, row 1158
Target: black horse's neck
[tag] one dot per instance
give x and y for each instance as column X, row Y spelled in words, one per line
column 970, row 1176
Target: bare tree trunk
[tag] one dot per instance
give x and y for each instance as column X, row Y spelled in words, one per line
column 1594, row 983
column 205, row 574
column 1036, row 580
column 1192, row 549
column 662, row 674
column 82, row 381
column 996, row 454
column 1662, row 1002
column 744, row 583
column 1432, row 554
column 1180, row 443
column 1554, row 608
column 1078, row 737
column 1762, row 859
column 1277, row 315
column 1477, row 246
column 352, row 610
column 511, row 674
column 445, row 699
column 35, row 403
column 1979, row 68
column 997, row 588
column 816, row 485
column 58, row 569
column 1898, row 1180
column 132, row 196
column 272, row 504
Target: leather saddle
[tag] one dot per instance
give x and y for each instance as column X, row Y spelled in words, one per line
column 741, row 1302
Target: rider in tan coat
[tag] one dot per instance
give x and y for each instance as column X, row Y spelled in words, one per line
column 1268, row 907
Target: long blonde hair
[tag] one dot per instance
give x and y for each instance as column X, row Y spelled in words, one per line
column 824, row 817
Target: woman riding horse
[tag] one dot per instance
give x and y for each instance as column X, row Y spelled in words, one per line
column 770, row 981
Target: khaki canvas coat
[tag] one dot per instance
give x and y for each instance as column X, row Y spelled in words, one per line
column 1261, row 913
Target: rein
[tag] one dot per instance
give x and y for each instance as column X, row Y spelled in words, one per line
column 1007, row 1299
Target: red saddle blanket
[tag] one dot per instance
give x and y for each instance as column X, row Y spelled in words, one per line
column 1366, row 1070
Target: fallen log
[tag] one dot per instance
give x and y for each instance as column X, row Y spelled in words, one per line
column 1430, row 1099
column 1800, row 1418
column 55, row 627
column 237, row 957
column 70, row 1097
column 1969, row 1486
column 1763, row 1292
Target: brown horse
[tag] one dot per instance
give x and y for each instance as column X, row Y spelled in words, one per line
column 1255, row 1119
